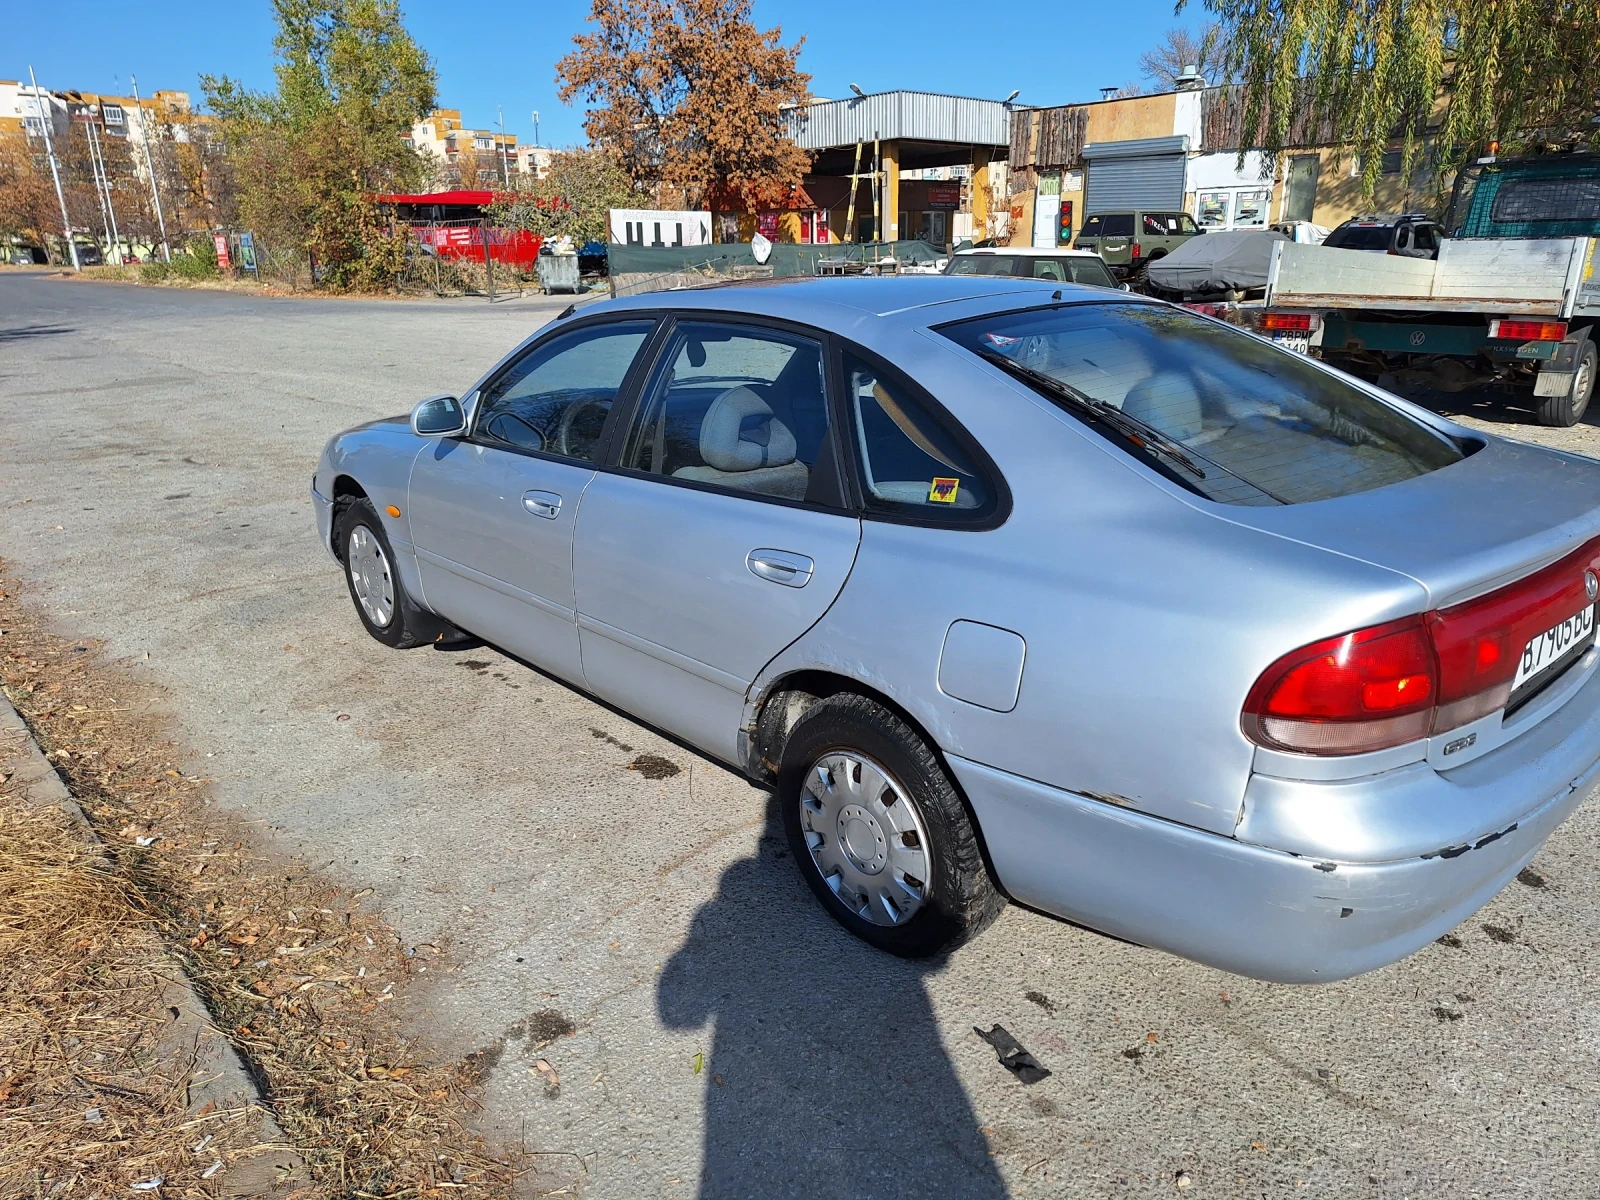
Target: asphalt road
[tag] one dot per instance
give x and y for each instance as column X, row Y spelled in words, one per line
column 158, row 445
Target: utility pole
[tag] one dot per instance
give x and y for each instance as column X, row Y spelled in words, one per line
column 102, row 187
column 505, row 172
column 536, row 128
column 46, row 120
column 105, row 180
column 150, row 166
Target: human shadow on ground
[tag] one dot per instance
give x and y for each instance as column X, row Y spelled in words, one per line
column 825, row 1072
column 17, row 333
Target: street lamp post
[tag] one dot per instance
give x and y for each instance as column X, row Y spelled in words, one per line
column 150, row 166
column 45, row 120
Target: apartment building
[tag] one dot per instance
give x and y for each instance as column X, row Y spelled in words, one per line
column 494, row 156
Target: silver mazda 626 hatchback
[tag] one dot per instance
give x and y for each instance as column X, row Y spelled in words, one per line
column 1022, row 590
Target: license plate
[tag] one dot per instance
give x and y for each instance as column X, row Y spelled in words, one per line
column 1300, row 343
column 1553, row 646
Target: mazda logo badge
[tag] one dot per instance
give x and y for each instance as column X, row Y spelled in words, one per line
column 1591, row 585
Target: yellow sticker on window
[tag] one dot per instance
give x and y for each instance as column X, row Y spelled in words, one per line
column 943, row 491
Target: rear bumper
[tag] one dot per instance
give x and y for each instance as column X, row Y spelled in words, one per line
column 1256, row 911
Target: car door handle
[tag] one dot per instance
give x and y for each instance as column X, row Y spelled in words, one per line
column 779, row 566
column 542, row 504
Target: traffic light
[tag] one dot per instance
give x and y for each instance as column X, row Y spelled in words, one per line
column 1064, row 224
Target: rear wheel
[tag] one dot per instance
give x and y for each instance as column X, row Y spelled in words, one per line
column 1568, row 409
column 879, row 831
column 375, row 587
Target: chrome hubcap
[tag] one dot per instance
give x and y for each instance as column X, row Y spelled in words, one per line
column 370, row 577
column 866, row 837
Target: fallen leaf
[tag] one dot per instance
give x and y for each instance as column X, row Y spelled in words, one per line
column 698, row 1061
column 1258, row 1146
column 1149, row 1037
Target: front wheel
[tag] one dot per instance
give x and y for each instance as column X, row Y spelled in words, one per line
column 879, row 831
column 375, row 587
column 1568, row 409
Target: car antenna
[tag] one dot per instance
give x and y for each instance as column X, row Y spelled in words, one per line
column 1056, row 295
column 572, row 308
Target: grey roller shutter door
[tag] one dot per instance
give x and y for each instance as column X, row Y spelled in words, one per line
column 1144, row 174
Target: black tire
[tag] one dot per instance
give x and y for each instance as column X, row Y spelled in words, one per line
column 407, row 625
column 961, row 897
column 1568, row 409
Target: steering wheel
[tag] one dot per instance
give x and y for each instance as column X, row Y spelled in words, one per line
column 569, row 419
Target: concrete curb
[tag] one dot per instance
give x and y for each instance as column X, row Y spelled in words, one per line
column 217, row 1078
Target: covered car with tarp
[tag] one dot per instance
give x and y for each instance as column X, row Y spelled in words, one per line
column 1219, row 263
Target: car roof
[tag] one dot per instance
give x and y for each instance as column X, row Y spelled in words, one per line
column 1029, row 251
column 916, row 301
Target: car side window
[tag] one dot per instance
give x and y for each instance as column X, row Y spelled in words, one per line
column 555, row 398
column 909, row 463
column 1118, row 225
column 1402, row 238
column 1051, row 269
column 1091, row 271
column 1423, row 239
column 736, row 406
column 1153, row 224
column 1186, row 224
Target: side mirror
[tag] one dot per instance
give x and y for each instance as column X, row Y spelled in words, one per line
column 439, row 416
column 1127, row 287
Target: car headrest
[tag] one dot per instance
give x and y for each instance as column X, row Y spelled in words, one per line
column 740, row 433
column 1168, row 401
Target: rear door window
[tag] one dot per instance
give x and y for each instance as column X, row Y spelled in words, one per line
column 1091, row 271
column 1235, row 419
column 1118, row 225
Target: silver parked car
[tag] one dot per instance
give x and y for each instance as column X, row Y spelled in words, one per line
column 1017, row 589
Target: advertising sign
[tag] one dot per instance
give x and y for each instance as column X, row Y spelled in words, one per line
column 767, row 225
column 221, row 243
column 247, row 251
column 944, row 195
column 659, row 227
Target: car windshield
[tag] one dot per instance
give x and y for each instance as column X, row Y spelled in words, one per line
column 1360, row 237
column 1068, row 268
column 1224, row 413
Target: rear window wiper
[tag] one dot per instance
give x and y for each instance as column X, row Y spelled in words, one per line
column 1140, row 432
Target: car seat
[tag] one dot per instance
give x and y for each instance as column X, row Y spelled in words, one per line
column 745, row 447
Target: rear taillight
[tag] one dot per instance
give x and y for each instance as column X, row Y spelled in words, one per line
column 1401, row 681
column 1138, row 250
column 1527, row 331
column 1288, row 322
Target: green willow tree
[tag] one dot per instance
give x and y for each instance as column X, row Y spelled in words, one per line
column 310, row 156
column 1369, row 72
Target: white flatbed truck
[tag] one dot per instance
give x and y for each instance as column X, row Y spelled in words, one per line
column 1513, row 292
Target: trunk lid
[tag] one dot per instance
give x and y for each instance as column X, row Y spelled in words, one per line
column 1460, row 531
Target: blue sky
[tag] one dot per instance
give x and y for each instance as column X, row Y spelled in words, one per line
column 491, row 54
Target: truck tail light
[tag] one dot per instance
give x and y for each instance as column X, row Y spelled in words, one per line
column 1527, row 331
column 1404, row 680
column 1138, row 250
column 1288, row 322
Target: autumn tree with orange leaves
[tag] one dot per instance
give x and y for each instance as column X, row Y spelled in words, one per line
column 689, row 96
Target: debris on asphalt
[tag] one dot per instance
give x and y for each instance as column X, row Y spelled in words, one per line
column 148, row 1185
column 1041, row 1000
column 698, row 1062
column 211, row 1170
column 1012, row 1056
column 552, row 1081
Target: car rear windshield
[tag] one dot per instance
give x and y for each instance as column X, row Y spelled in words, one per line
column 1081, row 268
column 1234, row 418
column 1360, row 237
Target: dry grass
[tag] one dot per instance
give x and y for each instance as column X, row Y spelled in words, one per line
column 90, row 1099
column 301, row 977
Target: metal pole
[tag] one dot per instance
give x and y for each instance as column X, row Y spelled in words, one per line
column 488, row 264
column 46, row 119
column 855, row 184
column 505, row 173
column 150, row 166
column 536, row 128
column 111, row 208
column 877, row 170
column 99, row 194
